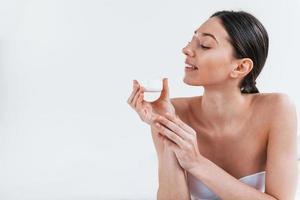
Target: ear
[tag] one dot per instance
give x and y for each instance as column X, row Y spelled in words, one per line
column 242, row 68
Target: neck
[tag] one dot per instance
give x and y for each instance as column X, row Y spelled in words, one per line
column 220, row 107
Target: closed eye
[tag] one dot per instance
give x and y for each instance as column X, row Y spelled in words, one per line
column 204, row 47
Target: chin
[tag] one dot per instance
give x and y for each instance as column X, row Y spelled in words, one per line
column 191, row 82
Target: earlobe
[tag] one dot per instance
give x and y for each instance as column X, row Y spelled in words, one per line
column 234, row 73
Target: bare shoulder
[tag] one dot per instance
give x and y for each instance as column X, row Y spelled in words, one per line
column 276, row 107
column 275, row 102
column 266, row 104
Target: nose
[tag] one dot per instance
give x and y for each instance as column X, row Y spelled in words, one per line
column 187, row 50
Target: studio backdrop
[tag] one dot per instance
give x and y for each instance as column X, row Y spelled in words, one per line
column 66, row 71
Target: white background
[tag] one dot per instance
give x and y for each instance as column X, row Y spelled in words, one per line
column 66, row 70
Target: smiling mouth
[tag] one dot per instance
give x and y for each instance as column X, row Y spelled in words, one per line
column 190, row 67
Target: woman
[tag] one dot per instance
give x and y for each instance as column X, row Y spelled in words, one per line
column 232, row 142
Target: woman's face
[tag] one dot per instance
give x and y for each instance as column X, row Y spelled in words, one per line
column 211, row 53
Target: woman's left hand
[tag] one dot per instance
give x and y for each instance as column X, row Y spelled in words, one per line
column 181, row 138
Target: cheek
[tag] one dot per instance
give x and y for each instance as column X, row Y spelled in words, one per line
column 215, row 64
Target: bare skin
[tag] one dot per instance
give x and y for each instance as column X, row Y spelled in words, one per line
column 240, row 134
column 249, row 144
column 245, row 145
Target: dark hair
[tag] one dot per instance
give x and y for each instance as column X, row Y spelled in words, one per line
column 249, row 39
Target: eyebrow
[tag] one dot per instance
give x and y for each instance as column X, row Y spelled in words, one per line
column 208, row 34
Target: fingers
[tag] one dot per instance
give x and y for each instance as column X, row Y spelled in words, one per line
column 167, row 142
column 170, row 135
column 140, row 100
column 136, row 86
column 180, row 123
column 165, row 91
column 135, row 82
column 175, row 128
column 137, row 96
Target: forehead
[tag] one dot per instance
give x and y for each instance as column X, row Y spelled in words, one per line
column 214, row 26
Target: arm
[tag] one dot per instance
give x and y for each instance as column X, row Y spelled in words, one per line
column 282, row 150
column 172, row 180
column 281, row 168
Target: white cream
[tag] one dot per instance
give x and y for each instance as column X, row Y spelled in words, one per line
column 152, row 85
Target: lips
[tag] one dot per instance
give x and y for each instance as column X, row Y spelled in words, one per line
column 190, row 66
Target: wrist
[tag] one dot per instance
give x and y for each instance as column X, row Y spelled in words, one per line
column 166, row 153
column 168, row 157
column 199, row 165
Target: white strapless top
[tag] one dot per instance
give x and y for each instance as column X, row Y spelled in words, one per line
column 199, row 191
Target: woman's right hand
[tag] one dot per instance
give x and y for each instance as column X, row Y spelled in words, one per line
column 148, row 111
